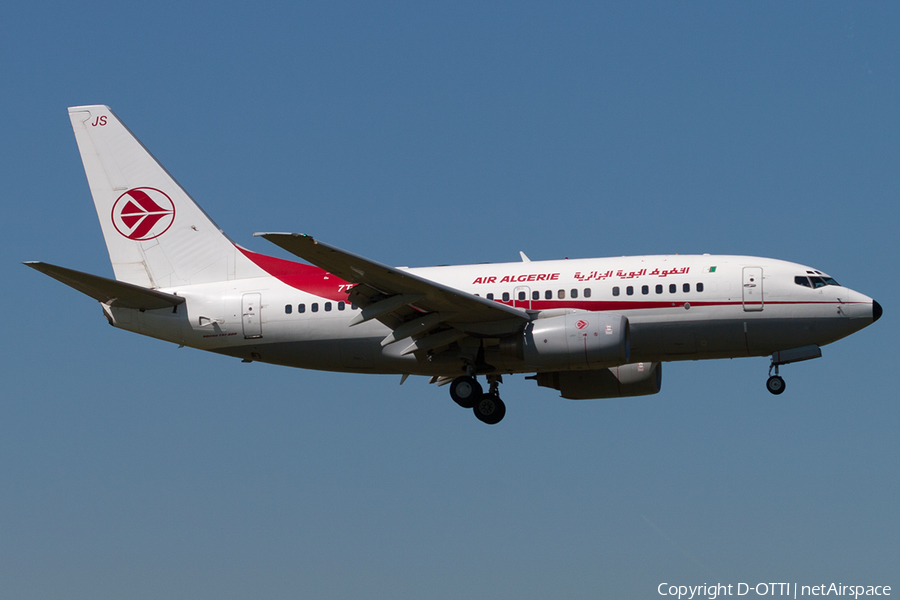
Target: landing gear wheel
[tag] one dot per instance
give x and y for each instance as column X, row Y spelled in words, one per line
column 775, row 384
column 490, row 409
column 465, row 391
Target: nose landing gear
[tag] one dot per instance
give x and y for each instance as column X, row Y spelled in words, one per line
column 468, row 393
column 775, row 384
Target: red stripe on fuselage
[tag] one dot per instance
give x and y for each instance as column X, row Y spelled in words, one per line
column 306, row 278
column 622, row 305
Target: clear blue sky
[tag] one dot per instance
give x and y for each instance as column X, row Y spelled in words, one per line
column 417, row 136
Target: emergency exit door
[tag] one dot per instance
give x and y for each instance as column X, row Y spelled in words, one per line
column 250, row 315
column 753, row 289
column 522, row 297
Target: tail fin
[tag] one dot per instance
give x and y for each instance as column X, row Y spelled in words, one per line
column 156, row 235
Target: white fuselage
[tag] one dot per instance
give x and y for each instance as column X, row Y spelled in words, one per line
column 678, row 308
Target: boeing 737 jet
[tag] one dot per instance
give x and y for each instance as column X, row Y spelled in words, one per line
column 589, row 328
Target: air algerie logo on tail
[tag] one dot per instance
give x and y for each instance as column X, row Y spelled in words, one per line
column 143, row 214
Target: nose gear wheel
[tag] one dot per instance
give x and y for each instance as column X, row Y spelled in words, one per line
column 775, row 384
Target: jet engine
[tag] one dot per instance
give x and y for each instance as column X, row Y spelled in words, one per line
column 572, row 341
column 636, row 379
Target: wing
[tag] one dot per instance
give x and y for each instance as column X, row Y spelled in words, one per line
column 431, row 314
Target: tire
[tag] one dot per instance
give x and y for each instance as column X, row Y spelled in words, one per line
column 490, row 409
column 775, row 384
column 466, row 391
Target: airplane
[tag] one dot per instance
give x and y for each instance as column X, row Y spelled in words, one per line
column 589, row 328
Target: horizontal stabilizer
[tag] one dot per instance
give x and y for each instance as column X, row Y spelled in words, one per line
column 109, row 291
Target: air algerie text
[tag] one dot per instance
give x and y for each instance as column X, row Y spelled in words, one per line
column 518, row 278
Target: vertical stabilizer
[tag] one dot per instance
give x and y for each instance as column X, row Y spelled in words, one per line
column 157, row 236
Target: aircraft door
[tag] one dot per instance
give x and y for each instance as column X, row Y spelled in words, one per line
column 250, row 315
column 522, row 297
column 753, row 289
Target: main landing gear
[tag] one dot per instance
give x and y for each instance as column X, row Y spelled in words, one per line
column 468, row 393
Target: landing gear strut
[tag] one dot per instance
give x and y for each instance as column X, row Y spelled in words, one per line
column 468, row 393
column 775, row 384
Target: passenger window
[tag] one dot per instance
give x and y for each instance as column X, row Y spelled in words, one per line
column 645, row 289
column 535, row 295
column 352, row 306
column 490, row 296
column 686, row 287
column 587, row 292
column 301, row 308
column 548, row 294
column 616, row 291
column 327, row 306
column 314, row 307
column 574, row 293
column 659, row 289
column 629, row 290
column 506, row 296
column 699, row 287
column 521, row 295
column 341, row 306
column 673, row 288
column 562, row 294
column 288, row 309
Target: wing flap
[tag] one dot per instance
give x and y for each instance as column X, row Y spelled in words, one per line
column 108, row 291
column 434, row 341
column 415, row 326
column 384, row 307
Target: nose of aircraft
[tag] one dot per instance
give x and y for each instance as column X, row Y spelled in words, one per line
column 876, row 311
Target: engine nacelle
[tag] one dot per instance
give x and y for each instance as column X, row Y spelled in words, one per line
column 637, row 379
column 575, row 341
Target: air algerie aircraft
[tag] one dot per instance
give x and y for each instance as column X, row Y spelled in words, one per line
column 590, row 328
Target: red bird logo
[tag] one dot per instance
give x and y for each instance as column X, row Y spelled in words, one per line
column 143, row 214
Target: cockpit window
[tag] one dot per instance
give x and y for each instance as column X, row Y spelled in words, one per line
column 815, row 282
